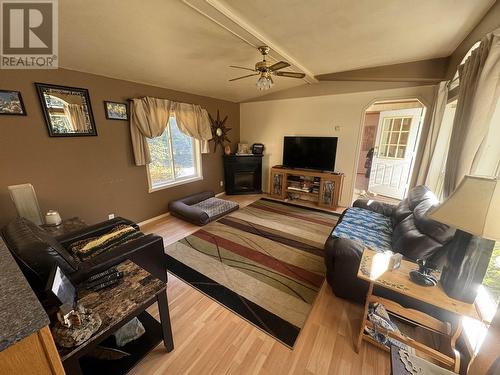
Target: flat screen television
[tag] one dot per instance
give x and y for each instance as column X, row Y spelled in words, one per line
column 310, row 153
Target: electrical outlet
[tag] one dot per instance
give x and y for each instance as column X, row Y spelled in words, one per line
column 111, row 216
column 221, row 183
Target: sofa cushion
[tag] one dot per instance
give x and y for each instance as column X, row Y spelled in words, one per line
column 368, row 228
column 442, row 233
column 418, row 194
column 401, row 212
column 412, row 243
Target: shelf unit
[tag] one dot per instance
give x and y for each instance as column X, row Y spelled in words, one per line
column 321, row 188
column 448, row 328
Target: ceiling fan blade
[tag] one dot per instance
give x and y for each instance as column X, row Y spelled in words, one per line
column 279, row 65
column 290, row 74
column 241, row 67
column 249, row 75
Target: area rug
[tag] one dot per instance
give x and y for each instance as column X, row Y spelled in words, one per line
column 263, row 262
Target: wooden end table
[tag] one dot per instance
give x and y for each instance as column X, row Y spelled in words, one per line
column 117, row 305
column 373, row 268
column 67, row 226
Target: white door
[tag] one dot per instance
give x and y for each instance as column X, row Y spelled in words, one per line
column 394, row 152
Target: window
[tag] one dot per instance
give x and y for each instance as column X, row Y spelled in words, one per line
column 487, row 301
column 175, row 158
column 394, row 138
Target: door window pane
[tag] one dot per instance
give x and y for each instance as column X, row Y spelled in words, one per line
column 394, row 138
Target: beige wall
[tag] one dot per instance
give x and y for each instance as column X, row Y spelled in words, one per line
column 269, row 121
column 91, row 176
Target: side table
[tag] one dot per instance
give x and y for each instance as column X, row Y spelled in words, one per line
column 67, row 226
column 117, row 305
column 373, row 268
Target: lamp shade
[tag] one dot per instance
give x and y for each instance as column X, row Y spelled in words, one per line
column 474, row 207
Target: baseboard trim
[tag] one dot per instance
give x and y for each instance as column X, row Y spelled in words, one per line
column 153, row 219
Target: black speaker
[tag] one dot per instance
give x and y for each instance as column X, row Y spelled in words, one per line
column 468, row 257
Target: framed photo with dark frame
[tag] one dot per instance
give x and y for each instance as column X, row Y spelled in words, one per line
column 11, row 103
column 116, row 110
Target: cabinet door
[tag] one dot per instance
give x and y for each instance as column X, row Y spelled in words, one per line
column 277, row 182
column 327, row 192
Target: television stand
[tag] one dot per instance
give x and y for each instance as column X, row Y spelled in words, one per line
column 320, row 188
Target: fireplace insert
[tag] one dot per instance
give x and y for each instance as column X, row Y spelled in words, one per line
column 243, row 174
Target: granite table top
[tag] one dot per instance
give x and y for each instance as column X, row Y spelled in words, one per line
column 119, row 303
column 21, row 314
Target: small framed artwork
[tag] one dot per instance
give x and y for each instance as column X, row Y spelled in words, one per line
column 11, row 103
column 116, row 110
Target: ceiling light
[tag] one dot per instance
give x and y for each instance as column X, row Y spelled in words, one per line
column 265, row 82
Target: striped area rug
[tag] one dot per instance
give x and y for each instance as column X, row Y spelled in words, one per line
column 264, row 262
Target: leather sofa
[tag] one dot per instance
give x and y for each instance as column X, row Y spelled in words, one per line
column 403, row 229
column 36, row 251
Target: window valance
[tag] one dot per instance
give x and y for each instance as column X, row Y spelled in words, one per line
column 149, row 118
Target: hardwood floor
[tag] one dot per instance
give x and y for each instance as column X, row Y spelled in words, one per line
column 210, row 339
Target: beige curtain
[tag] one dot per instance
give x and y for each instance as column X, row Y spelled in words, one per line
column 148, row 119
column 426, row 169
column 193, row 120
column 461, row 151
column 76, row 115
column 483, row 147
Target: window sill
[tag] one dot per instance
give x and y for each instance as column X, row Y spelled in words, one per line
column 175, row 183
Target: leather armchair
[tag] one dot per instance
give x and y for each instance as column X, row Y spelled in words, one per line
column 37, row 252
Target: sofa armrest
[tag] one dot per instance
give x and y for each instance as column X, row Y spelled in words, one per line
column 375, row 206
column 118, row 254
column 94, row 230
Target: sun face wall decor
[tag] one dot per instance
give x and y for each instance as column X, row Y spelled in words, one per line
column 219, row 131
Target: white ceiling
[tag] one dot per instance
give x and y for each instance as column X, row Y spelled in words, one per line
column 169, row 44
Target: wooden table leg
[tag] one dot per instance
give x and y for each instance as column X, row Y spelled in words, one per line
column 72, row 367
column 166, row 327
column 357, row 344
column 453, row 340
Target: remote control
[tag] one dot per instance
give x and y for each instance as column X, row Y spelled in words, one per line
column 104, row 285
column 101, row 274
column 105, row 279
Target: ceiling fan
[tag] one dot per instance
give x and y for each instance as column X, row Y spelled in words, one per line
column 265, row 69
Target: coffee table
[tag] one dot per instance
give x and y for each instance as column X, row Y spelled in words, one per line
column 117, row 305
column 373, row 269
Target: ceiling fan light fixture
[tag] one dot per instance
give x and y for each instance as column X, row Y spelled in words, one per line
column 264, row 82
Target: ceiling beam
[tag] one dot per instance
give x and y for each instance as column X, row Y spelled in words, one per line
column 429, row 71
column 225, row 17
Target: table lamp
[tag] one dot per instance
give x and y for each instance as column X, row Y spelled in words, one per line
column 474, row 210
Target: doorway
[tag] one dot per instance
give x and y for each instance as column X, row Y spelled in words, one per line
column 391, row 130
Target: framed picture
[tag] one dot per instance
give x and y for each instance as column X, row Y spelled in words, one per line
column 116, row 110
column 67, row 110
column 11, row 103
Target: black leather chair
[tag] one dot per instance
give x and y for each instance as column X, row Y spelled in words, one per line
column 36, row 252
